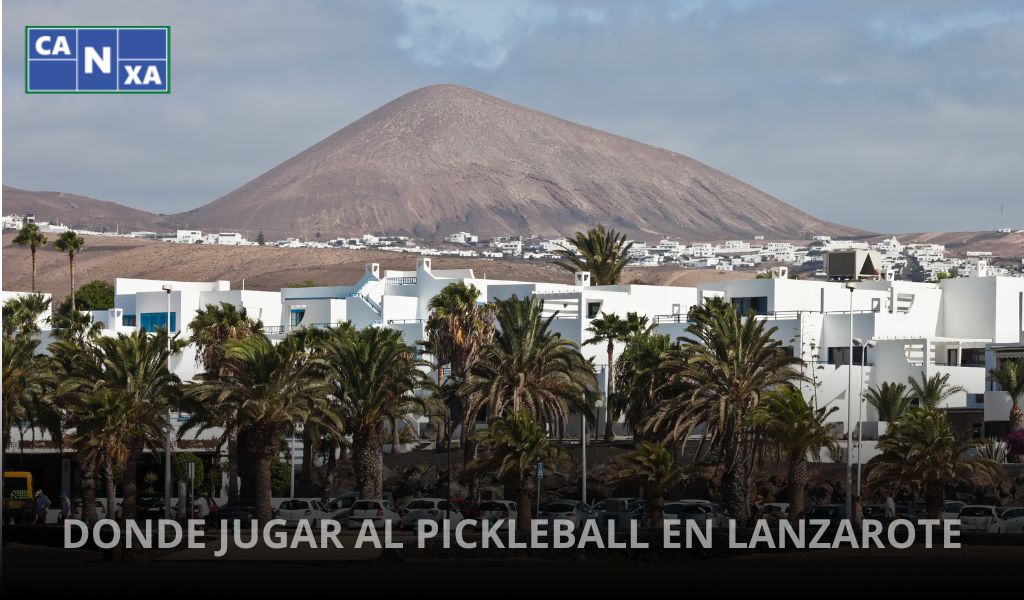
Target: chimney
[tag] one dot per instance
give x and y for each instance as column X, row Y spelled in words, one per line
column 372, row 269
column 424, row 264
column 780, row 272
column 582, row 278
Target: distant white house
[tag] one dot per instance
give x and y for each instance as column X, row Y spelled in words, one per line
column 462, row 238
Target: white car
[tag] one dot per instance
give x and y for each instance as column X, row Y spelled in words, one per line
column 429, row 509
column 979, row 517
column 339, row 507
column 569, row 510
column 717, row 518
column 377, row 511
column 951, row 509
column 1012, row 520
column 687, row 511
column 296, row 510
column 495, row 510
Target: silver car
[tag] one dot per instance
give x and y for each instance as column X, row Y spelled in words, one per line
column 569, row 510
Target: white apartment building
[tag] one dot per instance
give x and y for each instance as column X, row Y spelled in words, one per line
column 956, row 326
column 188, row 236
column 463, row 238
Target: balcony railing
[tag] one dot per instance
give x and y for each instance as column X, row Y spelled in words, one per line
column 404, row 321
column 674, row 318
column 400, row 281
column 273, row 329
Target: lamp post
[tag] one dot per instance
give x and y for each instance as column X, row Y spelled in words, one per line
column 849, row 414
column 167, row 441
column 863, row 345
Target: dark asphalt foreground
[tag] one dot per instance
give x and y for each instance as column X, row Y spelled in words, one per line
column 41, row 572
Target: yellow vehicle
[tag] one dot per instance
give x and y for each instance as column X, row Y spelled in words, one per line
column 17, row 495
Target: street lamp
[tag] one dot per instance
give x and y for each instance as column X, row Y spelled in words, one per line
column 167, row 441
column 863, row 345
column 849, row 414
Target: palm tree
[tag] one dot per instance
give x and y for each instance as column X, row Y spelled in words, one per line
column 799, row 430
column 130, row 372
column 24, row 377
column 21, row 314
column 931, row 391
column 652, row 466
column 30, row 236
column 1010, row 377
column 70, row 243
column 639, row 388
column 268, row 389
column 515, row 444
column 458, row 326
column 211, row 329
column 608, row 329
column 527, row 367
column 374, row 376
column 891, row 400
column 922, row 451
column 602, row 253
column 723, row 376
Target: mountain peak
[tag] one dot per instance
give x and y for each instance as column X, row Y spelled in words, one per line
column 445, row 158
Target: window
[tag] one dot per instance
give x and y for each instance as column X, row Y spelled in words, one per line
column 759, row 304
column 296, row 316
column 593, row 309
column 157, row 320
column 972, row 357
column 839, row 355
column 128, row 320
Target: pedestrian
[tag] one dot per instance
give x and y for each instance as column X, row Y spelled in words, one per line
column 890, row 508
column 42, row 505
column 858, row 513
column 65, row 507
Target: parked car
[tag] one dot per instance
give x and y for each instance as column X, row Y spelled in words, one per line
column 295, row 510
column 149, row 506
column 1012, row 520
column 619, row 511
column 951, row 509
column 377, row 511
column 494, row 510
column 339, row 507
column 465, row 507
column 429, row 509
column 876, row 512
column 76, row 510
column 242, row 511
column 830, row 512
column 688, row 511
column 570, row 510
column 716, row 512
column 778, row 510
column 978, row 517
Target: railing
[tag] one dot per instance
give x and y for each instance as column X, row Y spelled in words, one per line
column 673, row 318
column 272, row 329
column 369, row 301
column 400, row 281
column 404, row 321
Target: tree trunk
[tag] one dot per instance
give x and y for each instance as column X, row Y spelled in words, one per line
column 111, row 491
column 797, row 483
column 89, row 490
column 367, row 461
column 232, row 464
column 526, row 491
column 71, row 264
column 33, row 269
column 246, row 467
column 396, row 438
column 263, row 447
column 656, row 508
column 934, row 499
column 131, row 482
column 609, row 421
column 735, row 485
column 307, row 460
column 1016, row 416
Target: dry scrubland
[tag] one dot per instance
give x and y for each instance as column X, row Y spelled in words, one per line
column 267, row 268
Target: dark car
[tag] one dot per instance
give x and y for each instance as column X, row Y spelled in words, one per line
column 830, row 512
column 243, row 511
column 149, row 507
column 876, row 512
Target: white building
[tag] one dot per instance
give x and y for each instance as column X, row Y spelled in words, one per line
column 462, row 238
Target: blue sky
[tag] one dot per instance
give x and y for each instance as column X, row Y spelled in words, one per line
column 890, row 116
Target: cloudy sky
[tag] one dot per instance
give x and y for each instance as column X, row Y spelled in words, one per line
column 890, row 116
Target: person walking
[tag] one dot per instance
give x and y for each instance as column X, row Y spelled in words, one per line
column 41, row 506
column 858, row 513
column 889, row 508
column 65, row 507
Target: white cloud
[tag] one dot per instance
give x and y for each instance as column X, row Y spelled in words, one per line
column 924, row 32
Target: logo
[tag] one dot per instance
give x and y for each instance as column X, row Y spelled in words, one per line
column 98, row 60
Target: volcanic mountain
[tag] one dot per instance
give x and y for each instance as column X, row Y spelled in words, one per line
column 446, row 158
column 80, row 212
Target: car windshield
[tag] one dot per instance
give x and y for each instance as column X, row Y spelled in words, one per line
column 559, row 507
column 953, row 506
column 683, row 509
column 822, row 511
column 976, row 511
column 420, row 504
